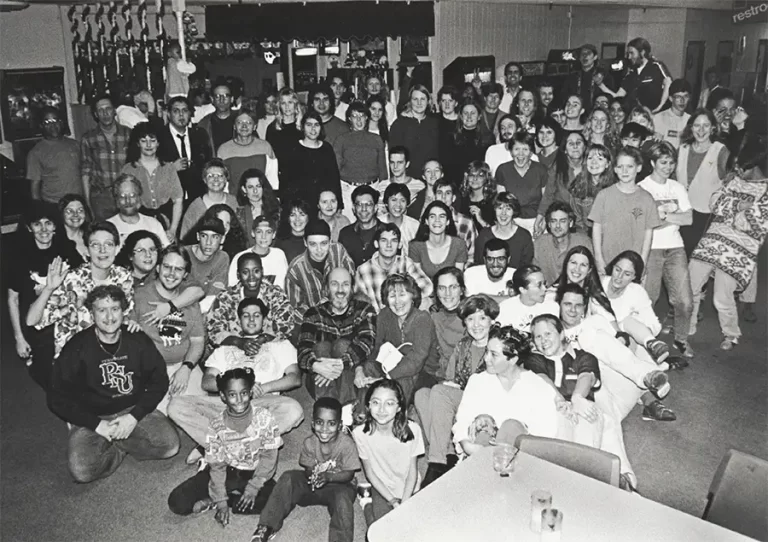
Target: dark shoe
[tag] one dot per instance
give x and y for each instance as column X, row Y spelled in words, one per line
column 684, row 348
column 625, row 483
column 748, row 313
column 262, row 534
column 451, row 460
column 434, row 471
column 658, row 411
column 657, row 383
column 202, row 506
column 658, row 350
column 677, row 363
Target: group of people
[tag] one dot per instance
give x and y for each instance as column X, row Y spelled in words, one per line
column 439, row 280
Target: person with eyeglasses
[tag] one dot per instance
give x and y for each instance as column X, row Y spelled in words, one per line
column 76, row 217
column 244, row 151
column 358, row 237
column 220, row 125
column 60, row 302
column 360, row 155
column 53, row 165
column 215, row 176
column 127, row 191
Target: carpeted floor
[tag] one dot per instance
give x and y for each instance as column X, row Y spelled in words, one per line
column 721, row 402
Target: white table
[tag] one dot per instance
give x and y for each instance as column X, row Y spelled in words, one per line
column 472, row 503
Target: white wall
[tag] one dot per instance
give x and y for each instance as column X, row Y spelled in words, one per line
column 665, row 30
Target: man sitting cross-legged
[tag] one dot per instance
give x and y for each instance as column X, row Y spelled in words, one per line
column 106, row 383
column 272, row 360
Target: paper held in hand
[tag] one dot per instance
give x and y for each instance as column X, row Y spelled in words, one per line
column 389, row 356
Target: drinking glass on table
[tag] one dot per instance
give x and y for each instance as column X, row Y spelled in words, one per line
column 551, row 525
column 504, row 459
column 540, row 501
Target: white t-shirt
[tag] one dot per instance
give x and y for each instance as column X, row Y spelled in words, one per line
column 145, row 222
column 670, row 126
column 531, row 401
column 670, row 197
column 514, row 313
column 268, row 365
column 341, row 111
column 477, row 281
column 634, row 301
column 275, row 267
column 390, row 459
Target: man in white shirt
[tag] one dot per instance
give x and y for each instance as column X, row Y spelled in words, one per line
column 513, row 76
column 491, row 278
column 670, row 122
column 399, row 162
column 274, row 363
column 127, row 192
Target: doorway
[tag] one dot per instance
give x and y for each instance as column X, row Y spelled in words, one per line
column 725, row 62
column 694, row 67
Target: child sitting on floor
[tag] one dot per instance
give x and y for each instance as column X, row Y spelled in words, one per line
column 241, row 453
column 329, row 459
column 388, row 445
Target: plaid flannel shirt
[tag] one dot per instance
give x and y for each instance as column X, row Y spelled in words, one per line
column 370, row 276
column 222, row 320
column 358, row 324
column 101, row 163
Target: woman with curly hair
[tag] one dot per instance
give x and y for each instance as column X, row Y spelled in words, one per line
column 256, row 197
column 579, row 267
column 595, row 175
column 600, row 129
column 477, row 193
column 76, row 217
column 290, row 234
column 162, row 195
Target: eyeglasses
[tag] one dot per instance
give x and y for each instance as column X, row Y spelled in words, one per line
column 145, row 251
column 128, row 197
column 221, row 96
column 212, row 176
column 48, row 122
column 357, row 116
column 74, row 212
column 102, row 247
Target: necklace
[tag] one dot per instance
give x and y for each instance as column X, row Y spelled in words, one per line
column 106, row 350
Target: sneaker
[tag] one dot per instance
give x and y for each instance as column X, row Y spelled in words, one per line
column 658, row 349
column 263, row 533
column 195, row 455
column 668, row 328
column 364, row 494
column 728, row 343
column 202, row 506
column 676, row 363
column 625, row 483
column 684, row 347
column 659, row 412
column 451, row 460
column 434, row 471
column 657, row 383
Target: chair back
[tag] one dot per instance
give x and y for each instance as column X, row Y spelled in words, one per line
column 597, row 464
column 738, row 496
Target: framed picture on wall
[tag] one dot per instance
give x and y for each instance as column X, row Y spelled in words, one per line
column 417, row 45
column 24, row 93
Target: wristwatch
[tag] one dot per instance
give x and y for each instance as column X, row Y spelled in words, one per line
column 174, row 308
column 188, row 364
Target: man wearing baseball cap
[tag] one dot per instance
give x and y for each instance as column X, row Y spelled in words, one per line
column 670, row 122
column 583, row 82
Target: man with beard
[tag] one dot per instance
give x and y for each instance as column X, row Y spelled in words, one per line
column 321, row 101
column 492, row 277
column 272, row 360
column 358, row 238
column 586, row 82
column 180, row 335
column 648, row 79
column 385, row 262
column 187, row 146
column 221, row 322
column 127, row 192
column 550, row 249
column 335, row 340
column 53, row 165
column 308, row 272
column 106, row 385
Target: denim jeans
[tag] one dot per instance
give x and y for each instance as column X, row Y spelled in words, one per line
column 670, row 265
column 194, row 413
column 182, row 499
column 292, row 489
column 92, row 457
column 725, row 303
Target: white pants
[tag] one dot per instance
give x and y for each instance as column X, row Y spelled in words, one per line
column 725, row 287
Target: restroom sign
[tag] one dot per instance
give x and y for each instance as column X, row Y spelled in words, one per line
column 750, row 11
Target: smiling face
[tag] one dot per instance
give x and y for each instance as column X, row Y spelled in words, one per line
column 107, row 315
column 724, row 111
column 383, row 406
column 377, row 111
column 322, row 103
column 599, row 122
column 478, row 326
column 215, row 179
column 244, row 126
column 596, row 162
column 396, row 205
column 172, row 271
column 449, row 291
column 298, row 220
column 617, row 113
column 326, row 425
column 469, row 117
column 512, row 76
column 328, row 204
column 526, row 103
column 237, row 395
column 338, row 87
column 318, row 247
column 148, row 146
column 663, row 166
column 546, row 95
column 287, row 106
column 578, row 268
column 251, row 320
column 74, row 214
column 521, row 154
column 622, row 275
column 702, row 129
column 400, row 301
column 536, row 288
column 437, row 221
column 433, row 171
column 388, row 244
column 546, row 136
column 339, row 289
column 507, row 129
column 626, row 169
column 102, row 248
column 43, row 231
column 634, row 57
column 560, row 224
column 496, row 262
column 364, row 208
column 144, row 257
column 504, row 214
column 495, row 360
column 573, row 107
column 250, row 272
column 492, row 102
column 264, row 235
column 572, row 309
column 547, row 339
column 51, row 126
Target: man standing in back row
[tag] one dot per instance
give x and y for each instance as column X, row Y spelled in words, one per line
column 53, row 165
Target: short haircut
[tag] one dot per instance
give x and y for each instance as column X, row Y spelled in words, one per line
column 572, row 288
column 507, row 198
column 478, row 302
column 126, row 178
column 399, row 149
column 524, row 138
column 515, row 344
column 179, row 250
column 218, row 163
column 545, row 83
column 550, row 318
column 387, row 228
column 247, row 257
column 407, row 282
column 327, row 403
column 98, row 98
column 458, row 274
column 562, row 207
column 513, row 65
column 492, row 88
column 631, row 152
column 106, row 291
column 221, row 82
column 450, row 90
column 661, row 148
column 249, row 302
column 633, row 129
column 634, row 258
column 495, row 244
column 101, row 226
column 520, row 278
column 238, row 373
column 444, row 182
column 365, row 190
column 181, row 99
column 397, row 188
column 357, row 107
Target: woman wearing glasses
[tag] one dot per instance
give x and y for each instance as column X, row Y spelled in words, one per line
column 76, row 217
column 215, row 177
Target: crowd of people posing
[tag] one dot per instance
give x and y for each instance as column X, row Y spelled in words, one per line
column 439, row 282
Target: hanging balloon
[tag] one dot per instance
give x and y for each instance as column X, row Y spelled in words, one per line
column 144, row 38
column 126, row 9
column 113, row 31
column 88, row 44
column 71, row 13
column 160, row 13
column 101, row 39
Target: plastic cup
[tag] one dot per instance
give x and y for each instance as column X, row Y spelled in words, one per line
column 551, row 525
column 540, row 501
